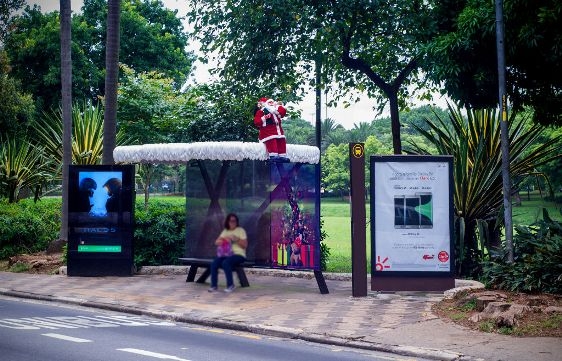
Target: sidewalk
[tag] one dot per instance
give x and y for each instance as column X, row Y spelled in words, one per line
column 292, row 307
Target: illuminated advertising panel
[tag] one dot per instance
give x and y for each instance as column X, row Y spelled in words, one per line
column 411, row 215
column 100, row 224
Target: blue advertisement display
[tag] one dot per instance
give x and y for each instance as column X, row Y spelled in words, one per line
column 100, row 224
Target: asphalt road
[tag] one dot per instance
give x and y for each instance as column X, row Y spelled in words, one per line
column 35, row 331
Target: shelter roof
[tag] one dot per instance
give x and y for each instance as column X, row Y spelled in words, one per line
column 184, row 152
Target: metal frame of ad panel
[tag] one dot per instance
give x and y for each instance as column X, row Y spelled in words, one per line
column 101, row 220
column 411, row 219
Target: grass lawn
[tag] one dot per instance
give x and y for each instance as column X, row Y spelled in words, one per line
column 337, row 224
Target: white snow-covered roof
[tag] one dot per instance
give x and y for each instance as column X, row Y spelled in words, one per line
column 184, row 152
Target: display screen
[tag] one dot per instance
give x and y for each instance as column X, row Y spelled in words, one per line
column 99, row 192
column 100, row 209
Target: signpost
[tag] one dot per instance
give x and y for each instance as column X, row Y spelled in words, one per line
column 358, row 220
column 411, row 223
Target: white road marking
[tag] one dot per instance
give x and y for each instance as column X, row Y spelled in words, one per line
column 66, row 338
column 151, row 354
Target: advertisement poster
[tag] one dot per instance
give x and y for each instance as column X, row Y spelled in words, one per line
column 411, row 209
column 100, row 220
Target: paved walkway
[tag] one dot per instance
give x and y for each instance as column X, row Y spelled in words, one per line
column 284, row 306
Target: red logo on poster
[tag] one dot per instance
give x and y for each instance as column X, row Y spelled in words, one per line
column 428, row 256
column 443, row 256
column 379, row 266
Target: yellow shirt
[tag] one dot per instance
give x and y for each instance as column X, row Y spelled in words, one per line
column 237, row 233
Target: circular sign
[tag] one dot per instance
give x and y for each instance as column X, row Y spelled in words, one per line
column 443, row 256
column 358, row 150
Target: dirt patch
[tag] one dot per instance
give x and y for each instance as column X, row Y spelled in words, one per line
column 508, row 313
column 34, row 263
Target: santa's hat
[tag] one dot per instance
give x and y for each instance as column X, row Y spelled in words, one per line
column 263, row 100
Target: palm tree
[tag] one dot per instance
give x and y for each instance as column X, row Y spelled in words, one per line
column 66, row 81
column 87, row 135
column 111, row 78
column 361, row 131
column 22, row 166
column 474, row 143
column 328, row 127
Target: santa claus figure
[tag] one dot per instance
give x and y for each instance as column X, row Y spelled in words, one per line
column 268, row 119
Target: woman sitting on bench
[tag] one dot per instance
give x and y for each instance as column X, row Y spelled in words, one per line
column 231, row 251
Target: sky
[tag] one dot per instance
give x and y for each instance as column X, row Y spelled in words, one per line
column 361, row 111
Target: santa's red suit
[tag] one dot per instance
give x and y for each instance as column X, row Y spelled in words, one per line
column 268, row 120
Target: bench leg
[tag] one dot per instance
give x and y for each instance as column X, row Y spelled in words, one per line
column 204, row 275
column 242, row 277
column 191, row 274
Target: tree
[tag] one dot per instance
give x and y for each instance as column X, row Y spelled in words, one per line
column 150, row 106
column 335, row 169
column 374, row 47
column 474, row 143
column 7, row 8
column 111, row 79
column 463, row 56
column 153, row 39
column 22, row 165
column 33, row 49
column 16, row 108
column 299, row 131
column 87, row 134
column 66, row 90
column 220, row 112
column 329, row 134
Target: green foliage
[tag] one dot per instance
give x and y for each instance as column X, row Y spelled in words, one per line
column 149, row 107
column 159, row 237
column 335, row 164
column 299, row 131
column 7, row 8
column 22, row 165
column 537, row 265
column 220, row 112
column 33, row 47
column 16, row 108
column 27, row 227
column 152, row 37
column 474, row 143
column 362, row 47
column 463, row 56
column 87, row 134
column 335, row 168
column 324, row 248
column 20, row 267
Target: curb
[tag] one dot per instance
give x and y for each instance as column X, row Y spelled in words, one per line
column 280, row 332
column 460, row 284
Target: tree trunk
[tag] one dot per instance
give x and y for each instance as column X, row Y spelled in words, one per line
column 111, row 78
column 395, row 122
column 66, row 88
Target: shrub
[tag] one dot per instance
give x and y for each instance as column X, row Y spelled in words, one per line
column 28, row 227
column 159, row 237
column 324, row 249
column 538, row 260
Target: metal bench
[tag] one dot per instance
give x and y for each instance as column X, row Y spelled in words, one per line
column 195, row 263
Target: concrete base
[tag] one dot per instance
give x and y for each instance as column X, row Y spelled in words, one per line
column 412, row 283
